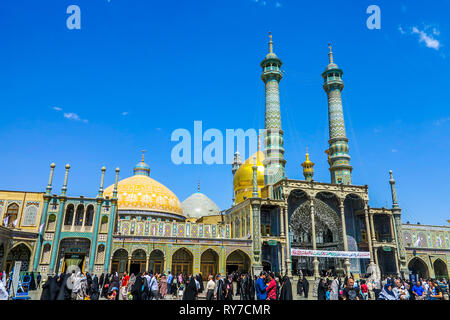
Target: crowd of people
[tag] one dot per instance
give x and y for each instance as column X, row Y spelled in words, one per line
column 155, row 286
column 233, row 286
column 390, row 288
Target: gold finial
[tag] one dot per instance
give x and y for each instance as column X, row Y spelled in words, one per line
column 270, row 43
column 330, row 54
column 143, row 152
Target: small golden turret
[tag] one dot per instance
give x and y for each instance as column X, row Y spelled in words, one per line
column 308, row 168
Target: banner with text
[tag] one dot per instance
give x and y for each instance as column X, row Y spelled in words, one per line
column 330, row 254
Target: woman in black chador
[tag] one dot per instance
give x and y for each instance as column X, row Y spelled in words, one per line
column 64, row 292
column 32, row 282
column 305, row 287
column 322, row 290
column 190, row 293
column 105, row 286
column 286, row 289
column 95, row 289
column 46, row 289
column 136, row 288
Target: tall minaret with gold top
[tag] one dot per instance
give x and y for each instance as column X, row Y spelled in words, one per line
column 274, row 163
column 338, row 151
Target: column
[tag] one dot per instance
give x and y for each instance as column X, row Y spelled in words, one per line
column 128, row 264
column 391, row 221
column 344, row 235
column 372, row 224
column 283, row 261
column 397, row 266
column 112, row 218
column 376, row 255
column 60, row 218
column 313, row 238
column 40, row 238
column 288, row 244
column 369, row 239
column 94, row 236
column 281, row 221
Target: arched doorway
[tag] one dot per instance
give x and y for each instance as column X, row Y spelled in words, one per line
column 440, row 269
column 209, row 262
column 19, row 253
column 119, row 261
column 138, row 261
column 156, row 261
column 238, row 261
column 419, row 267
column 182, row 261
column 72, row 254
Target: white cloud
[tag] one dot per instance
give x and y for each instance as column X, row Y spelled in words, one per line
column 124, row 113
column 394, row 150
column 71, row 116
column 57, row 108
column 441, row 121
column 278, row 4
column 401, row 30
column 428, row 39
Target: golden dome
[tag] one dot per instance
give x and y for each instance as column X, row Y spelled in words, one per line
column 243, row 178
column 142, row 193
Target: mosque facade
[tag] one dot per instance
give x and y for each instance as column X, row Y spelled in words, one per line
column 277, row 223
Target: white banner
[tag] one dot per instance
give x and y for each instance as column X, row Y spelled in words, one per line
column 15, row 278
column 330, row 254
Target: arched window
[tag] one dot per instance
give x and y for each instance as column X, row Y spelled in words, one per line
column 46, row 252
column 51, row 222
column 104, row 224
column 89, row 215
column 69, row 215
column 30, row 216
column 79, row 216
column 11, row 215
column 100, row 258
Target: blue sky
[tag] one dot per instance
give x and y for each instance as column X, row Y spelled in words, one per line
column 137, row 70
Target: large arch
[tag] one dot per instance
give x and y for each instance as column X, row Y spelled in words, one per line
column 238, row 260
column 156, row 261
column 419, row 267
column 119, row 261
column 182, row 261
column 73, row 252
column 138, row 261
column 209, row 263
column 440, row 269
column 20, row 252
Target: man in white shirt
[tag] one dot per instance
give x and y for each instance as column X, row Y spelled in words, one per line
column 210, row 288
column 153, row 287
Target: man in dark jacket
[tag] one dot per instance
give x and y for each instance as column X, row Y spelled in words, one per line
column 220, row 288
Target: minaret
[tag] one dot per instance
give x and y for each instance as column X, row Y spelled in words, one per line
column 393, row 192
column 398, row 230
column 308, row 168
column 338, row 152
column 274, row 162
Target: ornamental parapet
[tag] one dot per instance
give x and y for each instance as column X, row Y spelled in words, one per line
column 173, row 229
